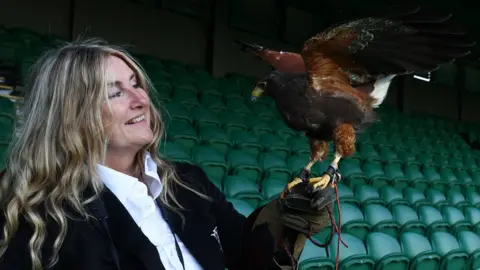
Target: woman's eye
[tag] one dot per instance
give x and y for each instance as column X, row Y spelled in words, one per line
column 117, row 94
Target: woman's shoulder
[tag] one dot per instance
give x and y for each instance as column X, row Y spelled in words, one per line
column 191, row 174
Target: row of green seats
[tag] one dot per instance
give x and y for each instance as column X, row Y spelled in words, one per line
column 266, row 122
column 238, row 112
column 223, row 155
column 400, row 176
column 362, row 195
column 240, row 186
column 185, row 107
column 21, row 47
column 378, row 251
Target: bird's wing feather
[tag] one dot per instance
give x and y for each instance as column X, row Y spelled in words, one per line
column 287, row 62
column 360, row 51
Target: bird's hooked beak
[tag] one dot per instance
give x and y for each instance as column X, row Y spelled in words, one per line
column 258, row 91
column 250, row 47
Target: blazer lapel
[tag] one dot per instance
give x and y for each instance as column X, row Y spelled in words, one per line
column 197, row 235
column 127, row 235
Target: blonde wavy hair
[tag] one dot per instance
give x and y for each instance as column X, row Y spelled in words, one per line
column 53, row 160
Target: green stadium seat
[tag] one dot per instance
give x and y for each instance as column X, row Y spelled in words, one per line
column 182, row 132
column 453, row 256
column 161, row 94
column 456, row 198
column 368, row 195
column 354, row 257
column 247, row 142
column 396, row 141
column 12, row 50
column 476, row 177
column 274, row 166
column 364, row 137
column 237, row 106
column 185, row 86
column 185, row 97
column 272, row 187
column 391, row 196
column 212, row 162
column 346, row 194
column 175, row 151
column 352, row 172
column 262, row 111
column 176, row 111
column 3, row 153
column 472, row 214
column 273, row 143
column 469, row 163
column 299, row 145
column 281, row 129
column 213, row 103
column 244, row 164
column 394, row 172
column 465, row 179
column 231, row 122
column 420, row 252
column 450, row 179
column 241, row 206
column 215, row 137
column 374, row 171
column 433, row 176
column 455, row 162
column 233, row 95
column 433, row 219
column 415, row 197
column 353, row 221
column 416, row 177
column 239, row 187
column 408, row 219
column 204, row 118
column 381, row 219
column 456, row 219
column 436, row 197
column 314, row 258
column 407, row 157
column 380, row 139
column 7, row 127
column 369, row 153
column 473, row 198
column 388, row 154
column 470, row 242
column 7, row 107
column 386, row 252
column 258, row 126
column 426, row 159
column 297, row 163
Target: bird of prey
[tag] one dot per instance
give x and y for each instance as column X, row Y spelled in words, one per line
column 330, row 89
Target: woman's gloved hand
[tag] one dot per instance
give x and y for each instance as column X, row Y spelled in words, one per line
column 305, row 211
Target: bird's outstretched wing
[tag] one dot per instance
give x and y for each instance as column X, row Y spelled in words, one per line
column 360, row 51
column 288, row 62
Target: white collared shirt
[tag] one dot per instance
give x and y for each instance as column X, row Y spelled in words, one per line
column 134, row 195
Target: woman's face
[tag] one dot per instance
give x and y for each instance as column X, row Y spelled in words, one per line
column 129, row 125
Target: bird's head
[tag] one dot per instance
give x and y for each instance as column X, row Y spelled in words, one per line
column 258, row 90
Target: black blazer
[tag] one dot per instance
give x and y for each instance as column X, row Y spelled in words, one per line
column 114, row 241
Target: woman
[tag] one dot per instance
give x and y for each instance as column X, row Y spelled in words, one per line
column 84, row 187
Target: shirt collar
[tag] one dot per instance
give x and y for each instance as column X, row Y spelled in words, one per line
column 122, row 184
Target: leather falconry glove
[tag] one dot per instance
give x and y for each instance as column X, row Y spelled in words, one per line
column 291, row 220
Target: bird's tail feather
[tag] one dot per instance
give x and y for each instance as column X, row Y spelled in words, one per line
column 380, row 89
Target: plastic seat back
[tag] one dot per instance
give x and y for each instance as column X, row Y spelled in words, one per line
column 420, row 251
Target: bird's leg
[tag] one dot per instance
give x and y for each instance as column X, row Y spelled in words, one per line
column 344, row 144
column 318, row 150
